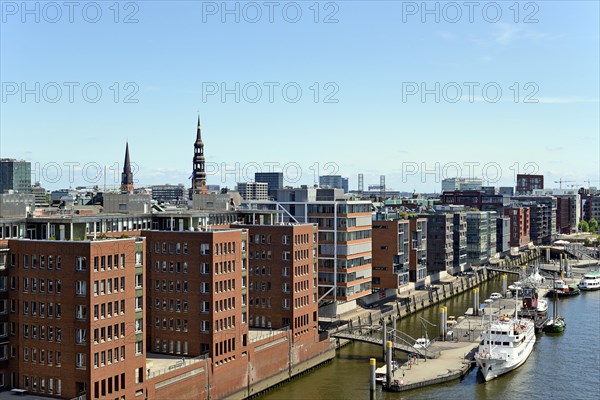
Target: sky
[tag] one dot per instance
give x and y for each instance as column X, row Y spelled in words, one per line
column 415, row 91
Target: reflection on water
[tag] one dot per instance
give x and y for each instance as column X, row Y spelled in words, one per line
column 564, row 366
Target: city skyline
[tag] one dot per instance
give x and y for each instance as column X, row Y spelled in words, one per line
column 386, row 92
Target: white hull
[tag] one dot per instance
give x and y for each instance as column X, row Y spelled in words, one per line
column 492, row 368
column 589, row 284
column 505, row 346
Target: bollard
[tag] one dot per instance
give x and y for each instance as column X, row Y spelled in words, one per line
column 442, row 323
column 388, row 363
column 504, row 284
column 373, row 382
column 384, row 337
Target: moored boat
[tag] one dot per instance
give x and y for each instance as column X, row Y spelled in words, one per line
column 590, row 281
column 557, row 324
column 506, row 344
column 563, row 290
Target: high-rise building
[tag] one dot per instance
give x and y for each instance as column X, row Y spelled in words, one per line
column 459, row 241
column 168, row 192
column 502, row 234
column 418, row 250
column 481, row 236
column 77, row 318
column 391, row 239
column 127, row 175
column 440, row 251
column 15, row 175
column 282, row 278
column 344, row 238
column 527, row 183
column 452, row 184
column 273, row 179
column 253, row 190
column 334, row 181
column 519, row 225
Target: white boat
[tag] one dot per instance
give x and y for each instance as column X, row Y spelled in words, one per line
column 495, row 296
column 590, row 281
column 542, row 306
column 506, row 344
column 422, row 343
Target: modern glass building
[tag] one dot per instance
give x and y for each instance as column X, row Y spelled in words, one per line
column 15, row 175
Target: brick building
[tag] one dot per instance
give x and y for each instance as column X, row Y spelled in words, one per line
column 77, row 318
column 391, row 239
column 520, row 225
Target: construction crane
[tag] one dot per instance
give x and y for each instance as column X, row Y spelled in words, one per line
column 560, row 182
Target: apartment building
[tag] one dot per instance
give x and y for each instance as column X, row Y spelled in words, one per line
column 391, row 241
column 282, row 277
column 77, row 317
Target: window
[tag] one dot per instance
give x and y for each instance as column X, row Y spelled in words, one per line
column 80, row 288
column 80, row 263
column 205, row 268
column 80, row 336
column 139, row 348
column 138, row 303
column 80, row 360
column 204, row 249
column 205, row 326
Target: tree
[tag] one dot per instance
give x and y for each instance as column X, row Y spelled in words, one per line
column 584, row 226
column 593, row 225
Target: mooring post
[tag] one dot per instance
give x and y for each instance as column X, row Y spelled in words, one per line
column 373, row 386
column 388, row 363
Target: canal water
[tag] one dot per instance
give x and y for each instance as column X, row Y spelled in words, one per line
column 565, row 366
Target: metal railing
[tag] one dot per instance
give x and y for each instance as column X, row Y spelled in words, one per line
column 183, row 362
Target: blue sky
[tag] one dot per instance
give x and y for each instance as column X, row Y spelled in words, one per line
column 361, row 69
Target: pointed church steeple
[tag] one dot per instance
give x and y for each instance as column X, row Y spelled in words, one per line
column 199, row 174
column 127, row 175
column 198, row 131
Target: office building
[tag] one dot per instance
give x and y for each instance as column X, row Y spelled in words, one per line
column 526, row 183
column 334, row 181
column 15, row 175
column 274, row 180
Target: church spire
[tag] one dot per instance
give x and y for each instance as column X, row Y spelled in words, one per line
column 198, row 131
column 127, row 175
column 199, row 174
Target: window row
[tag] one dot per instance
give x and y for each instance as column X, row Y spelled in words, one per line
column 109, row 309
column 224, row 304
column 42, row 356
column 42, row 261
column 262, row 302
column 226, row 346
column 174, row 347
column 260, row 255
column 46, row 385
column 173, row 305
column 300, row 286
column 301, row 301
column 40, row 309
column 108, row 385
column 42, row 332
column 171, row 286
column 171, row 248
column 260, row 286
column 103, row 263
column 108, row 333
column 171, row 266
column 107, row 286
column 175, row 324
column 107, row 357
column 224, row 286
column 34, row 285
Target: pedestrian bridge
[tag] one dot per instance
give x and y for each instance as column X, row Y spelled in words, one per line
column 355, row 333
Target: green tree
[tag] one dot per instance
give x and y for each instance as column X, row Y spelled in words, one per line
column 584, row 226
column 593, row 225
